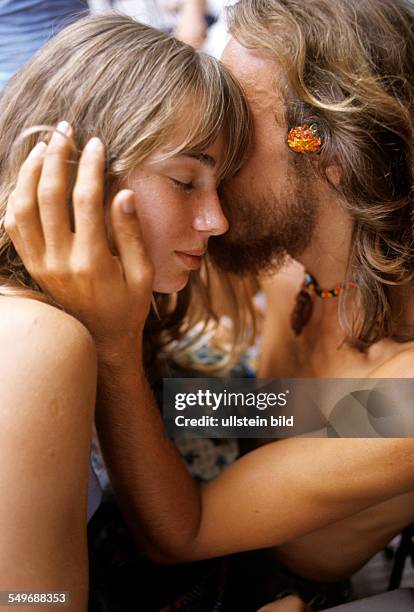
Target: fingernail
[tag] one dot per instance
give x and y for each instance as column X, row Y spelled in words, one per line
column 128, row 205
column 63, row 126
column 94, row 144
column 38, row 149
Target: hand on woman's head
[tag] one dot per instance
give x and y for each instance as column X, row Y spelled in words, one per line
column 173, row 201
column 109, row 293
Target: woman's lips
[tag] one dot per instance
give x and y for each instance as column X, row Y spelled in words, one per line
column 192, row 262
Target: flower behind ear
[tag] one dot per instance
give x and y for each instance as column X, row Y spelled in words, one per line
column 305, row 139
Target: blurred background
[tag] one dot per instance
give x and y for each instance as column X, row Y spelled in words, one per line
column 25, row 25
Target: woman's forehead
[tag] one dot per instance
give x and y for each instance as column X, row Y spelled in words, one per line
column 210, row 158
column 199, row 143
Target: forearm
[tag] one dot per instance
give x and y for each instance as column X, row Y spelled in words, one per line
column 159, row 499
column 290, row 488
column 270, row 496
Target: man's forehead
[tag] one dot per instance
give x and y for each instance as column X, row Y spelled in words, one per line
column 259, row 75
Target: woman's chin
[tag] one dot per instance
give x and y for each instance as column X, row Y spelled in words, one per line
column 172, row 284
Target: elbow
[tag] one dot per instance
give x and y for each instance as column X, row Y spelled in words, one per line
column 168, row 558
column 173, row 554
column 174, row 544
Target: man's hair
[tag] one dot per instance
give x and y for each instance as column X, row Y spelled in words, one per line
column 349, row 67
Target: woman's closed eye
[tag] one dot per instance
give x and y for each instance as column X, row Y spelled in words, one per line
column 187, row 187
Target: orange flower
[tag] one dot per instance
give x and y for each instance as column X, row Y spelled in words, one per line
column 304, row 139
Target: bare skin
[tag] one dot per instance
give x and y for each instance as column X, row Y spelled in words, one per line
column 170, row 516
column 317, row 352
column 287, row 604
column 47, row 398
column 191, row 26
column 48, row 358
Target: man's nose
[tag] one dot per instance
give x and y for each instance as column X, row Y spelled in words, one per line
column 210, row 218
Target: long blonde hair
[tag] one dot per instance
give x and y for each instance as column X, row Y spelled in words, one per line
column 130, row 85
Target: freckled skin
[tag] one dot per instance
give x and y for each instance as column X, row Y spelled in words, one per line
column 54, row 407
column 174, row 218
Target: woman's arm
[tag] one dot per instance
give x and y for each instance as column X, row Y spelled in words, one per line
column 47, row 396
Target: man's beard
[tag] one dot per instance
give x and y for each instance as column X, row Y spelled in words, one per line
column 265, row 233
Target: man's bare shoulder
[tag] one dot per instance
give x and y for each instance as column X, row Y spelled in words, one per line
column 400, row 365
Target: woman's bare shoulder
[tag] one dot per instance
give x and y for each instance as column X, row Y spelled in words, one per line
column 23, row 319
column 47, row 400
column 45, row 356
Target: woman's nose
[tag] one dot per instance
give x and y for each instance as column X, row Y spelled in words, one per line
column 211, row 219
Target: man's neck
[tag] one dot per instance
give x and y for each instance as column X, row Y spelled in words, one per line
column 328, row 255
column 327, row 260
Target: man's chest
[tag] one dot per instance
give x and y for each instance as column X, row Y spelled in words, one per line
column 320, row 350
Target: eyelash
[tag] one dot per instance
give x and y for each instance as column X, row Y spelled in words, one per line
column 186, row 187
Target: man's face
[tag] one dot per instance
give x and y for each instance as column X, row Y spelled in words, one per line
column 271, row 204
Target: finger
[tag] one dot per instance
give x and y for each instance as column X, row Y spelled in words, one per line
column 19, row 244
column 22, row 221
column 10, row 225
column 129, row 242
column 27, row 255
column 88, row 197
column 53, row 209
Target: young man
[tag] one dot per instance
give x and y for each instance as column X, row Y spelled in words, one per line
column 329, row 182
column 339, row 199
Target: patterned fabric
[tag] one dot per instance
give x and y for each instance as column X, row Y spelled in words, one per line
column 206, row 458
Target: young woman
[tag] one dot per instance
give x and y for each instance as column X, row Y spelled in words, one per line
column 171, row 123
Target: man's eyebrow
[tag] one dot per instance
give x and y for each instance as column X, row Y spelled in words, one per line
column 203, row 158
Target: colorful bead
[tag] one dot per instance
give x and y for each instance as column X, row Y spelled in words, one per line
column 302, row 311
column 311, row 285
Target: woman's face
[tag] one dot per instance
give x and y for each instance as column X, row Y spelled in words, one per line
column 179, row 209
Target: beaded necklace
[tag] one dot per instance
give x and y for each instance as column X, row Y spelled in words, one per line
column 303, row 308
